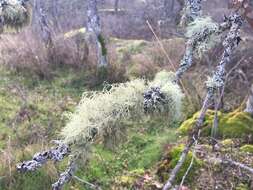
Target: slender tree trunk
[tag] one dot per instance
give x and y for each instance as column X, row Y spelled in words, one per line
column 35, row 10
column 169, row 7
column 95, row 33
column 45, row 30
column 249, row 106
column 116, row 5
column 55, row 13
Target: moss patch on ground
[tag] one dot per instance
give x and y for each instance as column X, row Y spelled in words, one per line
column 170, row 160
column 247, row 148
column 123, row 165
column 235, row 124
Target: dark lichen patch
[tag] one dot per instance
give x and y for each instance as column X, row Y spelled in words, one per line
column 236, row 124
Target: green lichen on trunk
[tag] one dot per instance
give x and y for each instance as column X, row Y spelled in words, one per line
column 102, row 42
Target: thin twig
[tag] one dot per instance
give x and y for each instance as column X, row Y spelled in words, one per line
column 170, row 61
column 87, row 183
column 191, row 164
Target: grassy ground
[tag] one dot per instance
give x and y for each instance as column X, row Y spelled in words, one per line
column 32, row 114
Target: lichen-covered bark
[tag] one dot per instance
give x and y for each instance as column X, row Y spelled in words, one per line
column 249, row 105
column 192, row 44
column 191, row 11
column 153, row 98
column 46, row 32
column 217, row 81
column 116, row 5
column 39, row 159
column 66, row 176
column 95, row 33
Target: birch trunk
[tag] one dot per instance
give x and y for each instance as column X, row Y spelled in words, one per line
column 95, row 33
column 45, row 30
column 116, row 5
column 249, row 106
column 169, row 7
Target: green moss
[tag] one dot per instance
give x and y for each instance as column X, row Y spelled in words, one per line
column 247, row 148
column 242, row 186
column 103, row 44
column 231, row 125
column 129, row 179
column 227, row 143
column 138, row 153
column 171, row 161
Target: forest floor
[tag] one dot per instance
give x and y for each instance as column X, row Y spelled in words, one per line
column 33, row 112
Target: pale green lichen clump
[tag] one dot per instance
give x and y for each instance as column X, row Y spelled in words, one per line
column 106, row 109
column 15, row 15
column 200, row 25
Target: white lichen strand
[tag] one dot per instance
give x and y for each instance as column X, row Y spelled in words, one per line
column 106, row 109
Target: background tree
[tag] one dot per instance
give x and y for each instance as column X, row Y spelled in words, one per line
column 249, row 105
column 116, row 5
column 95, row 33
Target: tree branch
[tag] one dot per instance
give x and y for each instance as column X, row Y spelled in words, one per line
column 216, row 82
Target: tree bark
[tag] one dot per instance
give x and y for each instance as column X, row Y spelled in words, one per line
column 55, row 13
column 169, row 7
column 218, row 80
column 95, row 33
column 249, row 106
column 45, row 30
column 116, row 5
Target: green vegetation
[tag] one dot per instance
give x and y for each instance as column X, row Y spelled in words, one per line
column 236, row 124
column 247, row 148
column 32, row 113
column 105, row 110
column 101, row 40
column 172, row 158
column 35, row 114
column 127, row 162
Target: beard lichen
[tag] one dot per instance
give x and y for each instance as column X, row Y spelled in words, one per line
column 15, row 15
column 116, row 103
column 202, row 25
